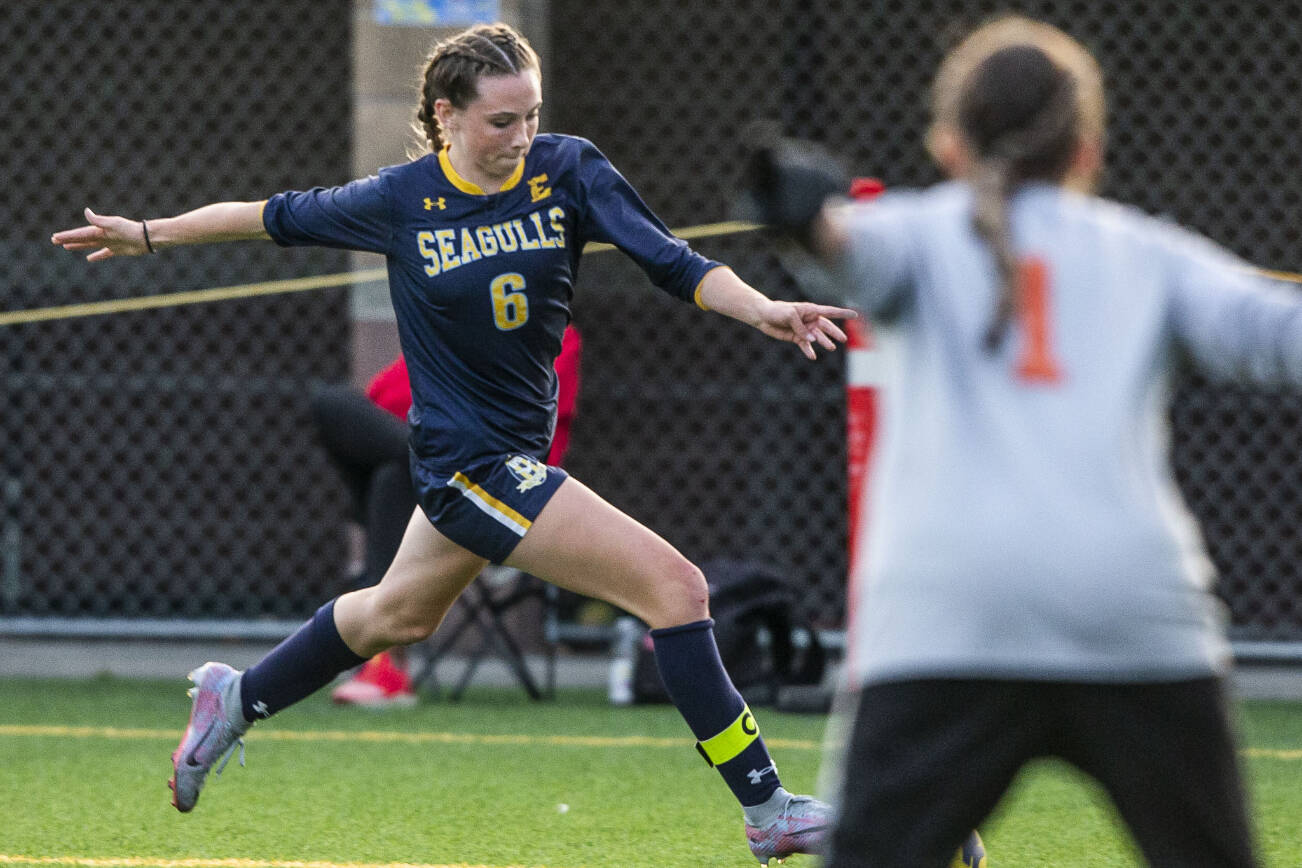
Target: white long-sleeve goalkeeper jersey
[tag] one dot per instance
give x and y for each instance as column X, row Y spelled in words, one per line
column 1021, row 518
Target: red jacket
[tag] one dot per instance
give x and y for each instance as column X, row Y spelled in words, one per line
column 391, row 390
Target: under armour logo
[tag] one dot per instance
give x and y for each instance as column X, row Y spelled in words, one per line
column 431, row 204
column 261, row 710
column 756, row 775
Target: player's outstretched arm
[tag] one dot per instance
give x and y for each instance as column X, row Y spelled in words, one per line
column 108, row 236
column 801, row 323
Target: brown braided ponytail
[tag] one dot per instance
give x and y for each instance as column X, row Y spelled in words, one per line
column 454, row 67
column 1022, row 96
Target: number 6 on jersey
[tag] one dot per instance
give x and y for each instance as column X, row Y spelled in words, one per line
column 510, row 304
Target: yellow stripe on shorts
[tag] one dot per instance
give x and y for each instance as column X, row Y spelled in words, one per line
column 718, row 749
column 504, row 514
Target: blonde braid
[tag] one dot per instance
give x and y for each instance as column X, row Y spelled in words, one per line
column 992, row 183
column 1041, row 147
column 427, row 123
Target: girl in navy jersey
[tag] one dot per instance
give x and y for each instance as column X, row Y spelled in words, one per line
column 483, row 236
column 1031, row 583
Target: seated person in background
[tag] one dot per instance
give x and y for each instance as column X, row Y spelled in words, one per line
column 366, row 438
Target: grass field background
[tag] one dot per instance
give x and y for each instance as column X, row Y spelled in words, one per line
column 84, row 765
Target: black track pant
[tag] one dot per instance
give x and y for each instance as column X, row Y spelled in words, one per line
column 928, row 760
column 369, row 446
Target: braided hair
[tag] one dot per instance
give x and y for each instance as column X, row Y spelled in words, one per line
column 1023, row 96
column 454, row 67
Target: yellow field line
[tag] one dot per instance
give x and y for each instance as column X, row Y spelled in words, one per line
column 1271, row 753
column 142, row 862
column 389, row 737
column 379, row 736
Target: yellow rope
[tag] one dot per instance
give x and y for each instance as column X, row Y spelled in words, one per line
column 325, row 281
column 1288, row 276
column 176, row 299
column 277, row 287
column 687, row 233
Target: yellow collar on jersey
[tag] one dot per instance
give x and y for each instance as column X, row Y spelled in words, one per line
column 468, row 187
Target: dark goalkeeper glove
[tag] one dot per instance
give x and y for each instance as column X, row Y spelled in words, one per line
column 785, row 183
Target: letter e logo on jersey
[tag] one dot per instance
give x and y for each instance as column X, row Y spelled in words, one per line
column 530, row 471
column 537, row 191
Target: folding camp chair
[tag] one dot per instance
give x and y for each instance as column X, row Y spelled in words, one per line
column 485, row 606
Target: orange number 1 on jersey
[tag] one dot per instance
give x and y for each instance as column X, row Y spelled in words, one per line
column 1037, row 363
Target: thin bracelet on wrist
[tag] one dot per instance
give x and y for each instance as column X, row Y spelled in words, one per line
column 148, row 245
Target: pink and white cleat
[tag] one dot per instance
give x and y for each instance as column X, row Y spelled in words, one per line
column 208, row 737
column 803, row 826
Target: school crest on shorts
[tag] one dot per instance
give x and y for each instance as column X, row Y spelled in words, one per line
column 529, row 471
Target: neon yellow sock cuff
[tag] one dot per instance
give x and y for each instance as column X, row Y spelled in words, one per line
column 718, row 749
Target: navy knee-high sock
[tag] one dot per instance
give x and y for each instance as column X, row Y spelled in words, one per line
column 696, row 681
column 298, row 667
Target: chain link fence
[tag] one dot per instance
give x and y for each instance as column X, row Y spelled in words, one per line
column 730, row 445
column 159, row 465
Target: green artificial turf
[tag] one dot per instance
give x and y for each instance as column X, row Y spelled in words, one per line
column 84, row 765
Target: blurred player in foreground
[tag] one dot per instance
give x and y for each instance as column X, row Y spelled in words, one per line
column 483, row 236
column 1031, row 583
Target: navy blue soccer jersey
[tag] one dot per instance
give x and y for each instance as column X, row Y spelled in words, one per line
column 481, row 284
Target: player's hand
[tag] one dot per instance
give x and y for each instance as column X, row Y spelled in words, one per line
column 105, row 237
column 804, row 324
